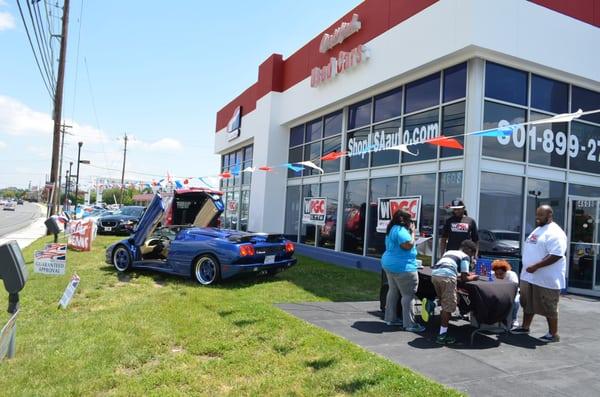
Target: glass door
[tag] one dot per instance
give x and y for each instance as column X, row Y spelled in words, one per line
column 584, row 273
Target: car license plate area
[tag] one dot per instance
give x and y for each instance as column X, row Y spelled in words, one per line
column 269, row 259
column 108, row 229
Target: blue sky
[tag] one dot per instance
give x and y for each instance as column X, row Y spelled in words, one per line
column 157, row 70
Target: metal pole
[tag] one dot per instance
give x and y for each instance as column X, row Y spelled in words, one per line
column 123, row 171
column 58, row 98
column 77, row 178
column 69, row 186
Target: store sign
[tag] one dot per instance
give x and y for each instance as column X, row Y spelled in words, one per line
column 550, row 141
column 234, row 124
column 387, row 207
column 383, row 140
column 344, row 61
column 51, row 260
column 232, row 205
column 345, row 30
column 314, row 210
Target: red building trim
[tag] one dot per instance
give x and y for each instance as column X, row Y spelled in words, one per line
column 277, row 75
column 587, row 11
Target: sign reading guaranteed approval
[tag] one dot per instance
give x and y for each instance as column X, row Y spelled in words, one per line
column 387, row 207
column 314, row 210
column 51, row 260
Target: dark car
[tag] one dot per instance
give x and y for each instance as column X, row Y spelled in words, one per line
column 122, row 221
column 177, row 235
column 499, row 242
column 20, row 202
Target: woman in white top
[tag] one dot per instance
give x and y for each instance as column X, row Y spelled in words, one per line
column 503, row 271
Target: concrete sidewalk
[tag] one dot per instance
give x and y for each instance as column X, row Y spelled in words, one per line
column 496, row 365
column 29, row 234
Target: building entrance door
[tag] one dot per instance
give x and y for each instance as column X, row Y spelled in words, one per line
column 584, row 270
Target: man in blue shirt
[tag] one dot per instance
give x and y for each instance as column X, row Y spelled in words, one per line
column 444, row 276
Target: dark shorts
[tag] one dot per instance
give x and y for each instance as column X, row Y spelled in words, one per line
column 539, row 300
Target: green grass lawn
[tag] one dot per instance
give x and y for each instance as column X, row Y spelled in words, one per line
column 143, row 333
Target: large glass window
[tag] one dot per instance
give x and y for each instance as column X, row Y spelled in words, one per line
column 584, row 191
column 297, row 136
column 584, row 147
column 244, row 210
column 500, row 202
column 359, row 114
column 418, row 128
column 506, row 84
column 333, row 124
column 327, row 231
column 312, row 152
column 424, row 186
column 455, row 82
column 355, row 196
column 331, row 145
column 547, row 143
column 453, row 124
column 292, row 212
column 540, row 192
column 248, row 161
column 586, row 100
column 308, row 231
column 550, row 95
column 358, row 149
column 450, row 188
column 385, row 135
column 295, row 156
column 510, row 147
column 388, row 105
column 379, row 188
column 423, row 93
column 314, row 130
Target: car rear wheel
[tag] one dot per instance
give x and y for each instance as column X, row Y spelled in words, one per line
column 121, row 258
column 207, row 270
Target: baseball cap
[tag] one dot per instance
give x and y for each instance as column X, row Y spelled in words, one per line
column 457, row 204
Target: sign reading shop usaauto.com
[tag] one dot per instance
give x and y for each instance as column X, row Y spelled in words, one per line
column 314, row 210
column 387, row 207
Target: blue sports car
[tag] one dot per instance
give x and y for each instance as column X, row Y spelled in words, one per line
column 178, row 235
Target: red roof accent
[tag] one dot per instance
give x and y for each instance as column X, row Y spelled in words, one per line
column 277, row 75
column 587, row 11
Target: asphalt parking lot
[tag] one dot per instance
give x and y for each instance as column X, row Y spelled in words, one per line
column 495, row 365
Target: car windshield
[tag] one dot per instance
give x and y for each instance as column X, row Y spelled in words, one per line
column 507, row 236
column 131, row 211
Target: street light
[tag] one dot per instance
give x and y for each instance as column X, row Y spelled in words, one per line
column 536, row 194
column 79, row 161
column 68, row 187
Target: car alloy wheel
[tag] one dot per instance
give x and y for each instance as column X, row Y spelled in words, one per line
column 206, row 270
column 121, row 258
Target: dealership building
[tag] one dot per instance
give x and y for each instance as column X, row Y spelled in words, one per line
column 400, row 72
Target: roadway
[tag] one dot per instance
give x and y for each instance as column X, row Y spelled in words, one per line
column 23, row 216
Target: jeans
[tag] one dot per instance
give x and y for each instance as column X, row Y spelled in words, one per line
column 405, row 284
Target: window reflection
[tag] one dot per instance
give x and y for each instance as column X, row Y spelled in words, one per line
column 359, row 114
column 455, row 82
column 355, row 195
column 547, row 143
column 511, row 147
column 388, row 105
column 327, row 232
column 500, row 202
column 450, row 187
column 308, row 231
column 453, row 124
column 379, row 188
column 540, row 192
column 424, row 186
column 423, row 93
column 506, row 84
column 292, row 213
column 419, row 128
column 550, row 95
column 388, row 134
column 584, row 147
column 358, row 149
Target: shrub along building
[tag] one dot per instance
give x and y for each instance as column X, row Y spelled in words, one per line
column 399, row 72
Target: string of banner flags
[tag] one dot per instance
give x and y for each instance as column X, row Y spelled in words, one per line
column 442, row 141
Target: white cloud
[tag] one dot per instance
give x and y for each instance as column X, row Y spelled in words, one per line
column 18, row 119
column 2, row 145
column 6, row 21
column 161, row 145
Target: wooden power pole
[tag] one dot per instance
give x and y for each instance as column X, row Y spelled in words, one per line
column 123, row 171
column 58, row 97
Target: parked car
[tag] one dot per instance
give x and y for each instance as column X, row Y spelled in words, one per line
column 122, row 221
column 20, row 202
column 10, row 206
column 499, row 242
column 177, row 235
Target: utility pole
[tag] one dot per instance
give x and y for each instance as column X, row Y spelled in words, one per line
column 77, row 178
column 62, row 148
column 123, row 171
column 58, row 97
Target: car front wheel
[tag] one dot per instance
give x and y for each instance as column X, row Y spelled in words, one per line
column 207, row 270
column 121, row 258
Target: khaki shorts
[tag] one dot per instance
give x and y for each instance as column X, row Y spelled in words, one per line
column 539, row 300
column 445, row 288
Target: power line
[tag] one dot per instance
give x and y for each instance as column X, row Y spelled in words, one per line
column 34, row 53
column 45, row 61
column 45, row 38
column 77, row 61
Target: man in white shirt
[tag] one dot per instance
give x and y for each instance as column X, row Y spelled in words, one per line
column 543, row 273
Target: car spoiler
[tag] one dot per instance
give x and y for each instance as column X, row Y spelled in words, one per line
column 269, row 238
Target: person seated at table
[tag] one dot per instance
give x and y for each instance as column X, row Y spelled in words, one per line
column 444, row 276
column 400, row 265
column 503, row 271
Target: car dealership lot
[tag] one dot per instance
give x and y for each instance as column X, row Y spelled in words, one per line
column 140, row 332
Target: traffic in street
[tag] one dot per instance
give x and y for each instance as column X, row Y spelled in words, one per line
column 18, row 217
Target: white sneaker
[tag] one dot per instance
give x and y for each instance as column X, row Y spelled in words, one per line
column 515, row 324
